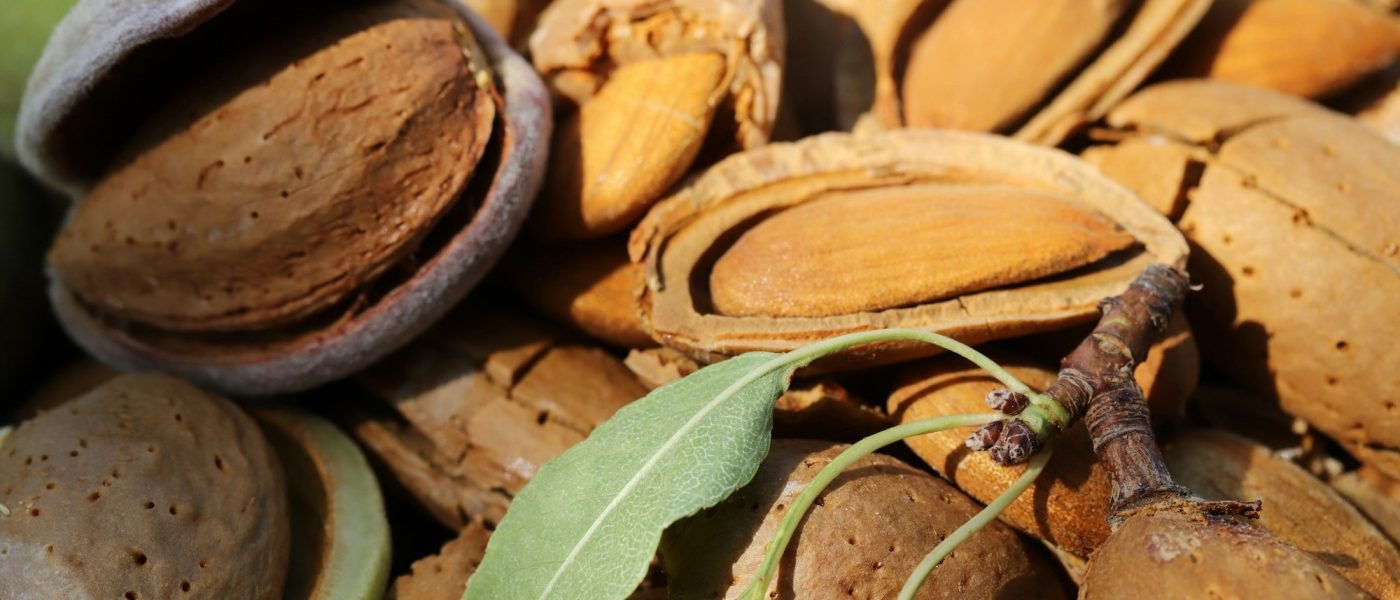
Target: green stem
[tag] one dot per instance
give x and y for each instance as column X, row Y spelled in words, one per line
column 973, row 525
column 759, row 586
column 811, row 352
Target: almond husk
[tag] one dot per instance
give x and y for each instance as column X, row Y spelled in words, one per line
column 1068, row 504
column 1221, row 466
column 677, row 242
column 263, row 212
column 1308, row 48
column 72, row 96
column 1294, row 217
column 463, row 418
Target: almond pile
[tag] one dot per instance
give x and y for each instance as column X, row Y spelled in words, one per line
column 380, row 260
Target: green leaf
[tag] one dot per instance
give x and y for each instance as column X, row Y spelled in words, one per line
column 589, row 522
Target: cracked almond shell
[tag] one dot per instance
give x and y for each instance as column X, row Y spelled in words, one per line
column 1003, row 239
column 145, row 487
column 1295, row 218
column 330, row 195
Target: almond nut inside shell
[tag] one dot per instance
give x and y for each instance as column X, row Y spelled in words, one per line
column 282, row 199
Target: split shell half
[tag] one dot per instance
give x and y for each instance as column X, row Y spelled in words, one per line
column 682, row 240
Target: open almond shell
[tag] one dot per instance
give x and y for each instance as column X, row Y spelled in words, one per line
column 100, row 47
column 685, row 235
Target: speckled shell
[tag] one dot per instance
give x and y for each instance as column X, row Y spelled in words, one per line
column 1295, row 218
column 861, row 539
column 145, row 487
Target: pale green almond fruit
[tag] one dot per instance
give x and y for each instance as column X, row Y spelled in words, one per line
column 340, row 534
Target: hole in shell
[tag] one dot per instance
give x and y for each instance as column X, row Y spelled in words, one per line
column 174, row 511
column 139, row 558
column 130, row 596
column 184, row 586
column 148, row 505
column 219, row 462
column 1342, row 345
column 94, row 497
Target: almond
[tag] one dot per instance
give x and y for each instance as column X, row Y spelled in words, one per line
column 733, row 261
column 1310, row 48
column 280, row 216
column 628, row 144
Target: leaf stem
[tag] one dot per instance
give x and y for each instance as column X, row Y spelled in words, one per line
column 973, row 525
column 759, row 586
column 806, row 354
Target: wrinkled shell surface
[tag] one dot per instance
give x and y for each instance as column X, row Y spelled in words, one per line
column 861, row 539
column 145, row 487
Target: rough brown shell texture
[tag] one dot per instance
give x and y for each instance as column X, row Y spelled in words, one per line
column 1068, row 504
column 861, row 539
column 1294, row 216
column 293, row 213
column 145, row 487
column 1298, row 508
column 444, row 575
column 1172, row 555
column 721, row 256
column 1374, row 494
column 1007, row 67
column 464, row 417
column 1309, row 48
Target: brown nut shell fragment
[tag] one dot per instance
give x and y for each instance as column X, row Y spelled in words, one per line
column 1298, row 508
column 1295, row 217
column 443, row 576
column 263, row 212
column 464, row 417
column 588, row 285
column 145, row 487
column 1309, row 48
column 1172, row 555
column 371, row 321
column 681, row 238
column 862, row 538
